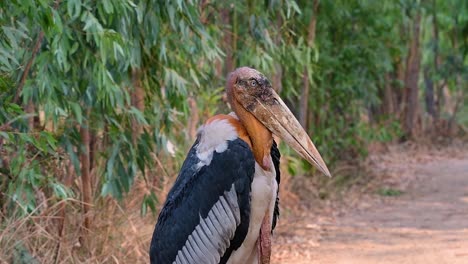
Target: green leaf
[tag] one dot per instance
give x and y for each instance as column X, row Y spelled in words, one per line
column 149, row 201
column 74, row 8
column 110, row 188
column 60, row 190
column 118, row 50
column 9, row 34
column 72, row 155
column 194, row 77
column 6, row 57
column 77, row 112
column 138, row 115
column 74, row 48
column 108, row 7
column 57, row 21
column 110, row 163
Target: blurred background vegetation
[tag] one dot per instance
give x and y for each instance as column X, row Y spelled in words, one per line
column 99, row 98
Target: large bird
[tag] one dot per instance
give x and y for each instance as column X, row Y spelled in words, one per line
column 223, row 206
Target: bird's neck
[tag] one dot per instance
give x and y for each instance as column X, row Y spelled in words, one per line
column 260, row 136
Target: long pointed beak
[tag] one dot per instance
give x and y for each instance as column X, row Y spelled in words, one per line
column 277, row 117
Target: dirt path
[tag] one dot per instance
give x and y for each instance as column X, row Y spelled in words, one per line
column 427, row 224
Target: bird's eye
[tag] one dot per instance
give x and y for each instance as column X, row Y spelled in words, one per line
column 253, row 83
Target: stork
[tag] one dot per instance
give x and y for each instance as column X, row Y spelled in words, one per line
column 223, row 206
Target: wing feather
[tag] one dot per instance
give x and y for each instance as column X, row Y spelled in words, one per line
column 206, row 214
column 276, row 156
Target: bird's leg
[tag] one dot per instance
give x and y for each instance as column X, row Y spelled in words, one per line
column 264, row 241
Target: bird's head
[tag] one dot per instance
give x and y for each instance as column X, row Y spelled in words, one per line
column 249, row 91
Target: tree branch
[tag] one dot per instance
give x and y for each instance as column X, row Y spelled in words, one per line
column 28, row 66
column 36, row 47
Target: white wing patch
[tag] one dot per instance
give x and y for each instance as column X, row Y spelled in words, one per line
column 210, row 239
column 214, row 137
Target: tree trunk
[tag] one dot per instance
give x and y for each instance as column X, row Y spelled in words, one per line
column 138, row 101
column 278, row 76
column 458, row 94
column 68, row 181
column 438, row 87
column 227, row 39
column 429, row 93
column 30, row 109
column 452, row 119
column 93, row 149
column 304, row 103
column 193, row 119
column 85, row 178
column 399, row 90
column 387, row 105
column 411, row 81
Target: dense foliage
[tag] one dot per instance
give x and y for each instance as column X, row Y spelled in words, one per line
column 101, row 90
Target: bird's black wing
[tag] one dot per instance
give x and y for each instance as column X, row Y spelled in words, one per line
column 276, row 156
column 206, row 214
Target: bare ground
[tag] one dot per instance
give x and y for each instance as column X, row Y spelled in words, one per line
column 428, row 223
